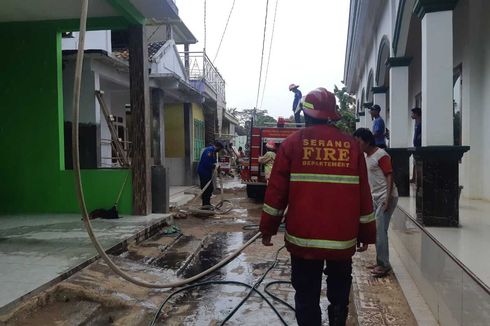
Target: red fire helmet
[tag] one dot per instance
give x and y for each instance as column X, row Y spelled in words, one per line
column 270, row 144
column 320, row 104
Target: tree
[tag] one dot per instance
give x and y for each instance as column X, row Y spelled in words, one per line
column 245, row 118
column 301, row 118
column 347, row 109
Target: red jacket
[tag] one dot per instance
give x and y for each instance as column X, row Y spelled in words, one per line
column 320, row 176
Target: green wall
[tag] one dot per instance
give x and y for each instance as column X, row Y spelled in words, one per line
column 32, row 175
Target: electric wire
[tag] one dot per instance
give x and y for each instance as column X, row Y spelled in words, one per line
column 262, row 55
column 253, row 289
column 154, row 32
column 79, row 185
column 224, row 31
column 269, row 56
column 255, row 286
column 273, row 296
column 192, row 286
column 205, row 25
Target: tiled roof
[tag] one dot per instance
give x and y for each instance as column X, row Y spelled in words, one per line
column 121, row 54
column 152, row 50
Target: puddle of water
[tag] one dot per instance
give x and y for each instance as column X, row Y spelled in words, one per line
column 209, row 304
column 171, row 260
column 216, row 248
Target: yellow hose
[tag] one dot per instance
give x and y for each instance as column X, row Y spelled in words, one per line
column 79, row 186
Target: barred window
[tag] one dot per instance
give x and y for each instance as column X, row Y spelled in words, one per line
column 198, row 139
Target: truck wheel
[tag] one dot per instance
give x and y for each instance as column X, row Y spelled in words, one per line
column 260, row 193
column 251, row 191
column 256, row 192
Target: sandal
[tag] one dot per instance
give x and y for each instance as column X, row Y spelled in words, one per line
column 380, row 271
column 372, row 266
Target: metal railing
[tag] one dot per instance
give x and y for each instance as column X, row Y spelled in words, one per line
column 200, row 68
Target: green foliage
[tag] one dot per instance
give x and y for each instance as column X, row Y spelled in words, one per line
column 301, row 119
column 347, row 109
column 245, row 118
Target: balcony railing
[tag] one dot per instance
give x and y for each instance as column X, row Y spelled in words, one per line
column 200, row 68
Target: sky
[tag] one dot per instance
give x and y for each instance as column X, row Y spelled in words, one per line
column 308, row 47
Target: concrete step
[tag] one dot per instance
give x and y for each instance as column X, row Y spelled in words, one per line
column 179, row 254
column 180, row 199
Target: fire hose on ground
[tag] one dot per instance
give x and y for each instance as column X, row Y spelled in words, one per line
column 79, row 186
column 80, row 192
column 224, row 206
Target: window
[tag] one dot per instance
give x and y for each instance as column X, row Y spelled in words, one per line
column 369, row 90
column 198, row 139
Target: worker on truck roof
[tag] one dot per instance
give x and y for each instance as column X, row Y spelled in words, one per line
column 320, row 176
column 297, row 105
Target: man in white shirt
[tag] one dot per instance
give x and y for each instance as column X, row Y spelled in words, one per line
column 385, row 195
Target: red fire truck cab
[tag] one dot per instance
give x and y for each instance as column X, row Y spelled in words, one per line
column 252, row 172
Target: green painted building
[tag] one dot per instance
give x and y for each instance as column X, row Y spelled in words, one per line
column 33, row 175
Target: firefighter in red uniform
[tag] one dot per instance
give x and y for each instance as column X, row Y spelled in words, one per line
column 320, row 176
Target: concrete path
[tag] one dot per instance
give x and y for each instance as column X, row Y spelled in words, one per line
column 95, row 295
column 181, row 195
column 37, row 250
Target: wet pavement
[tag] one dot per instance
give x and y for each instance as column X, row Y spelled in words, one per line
column 96, row 296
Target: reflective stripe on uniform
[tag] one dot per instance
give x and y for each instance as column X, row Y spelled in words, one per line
column 272, row 211
column 308, row 105
column 367, row 218
column 320, row 244
column 325, row 178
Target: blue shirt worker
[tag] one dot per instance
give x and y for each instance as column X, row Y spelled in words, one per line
column 205, row 170
column 379, row 130
column 296, row 102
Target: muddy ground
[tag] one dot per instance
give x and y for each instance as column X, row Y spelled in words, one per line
column 96, row 296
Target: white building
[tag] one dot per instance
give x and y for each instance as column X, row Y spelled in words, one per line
column 432, row 54
column 437, row 60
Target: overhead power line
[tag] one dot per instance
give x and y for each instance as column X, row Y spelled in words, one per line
column 205, row 5
column 224, row 31
column 262, row 55
column 270, row 51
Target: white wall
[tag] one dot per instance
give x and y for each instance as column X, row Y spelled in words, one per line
column 178, row 171
column 87, row 98
column 105, row 134
column 384, row 28
column 94, row 40
column 167, row 60
column 116, row 97
column 472, row 49
column 414, row 50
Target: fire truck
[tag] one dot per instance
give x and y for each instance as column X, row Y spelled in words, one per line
column 252, row 172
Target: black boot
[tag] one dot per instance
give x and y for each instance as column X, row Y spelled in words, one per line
column 337, row 315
